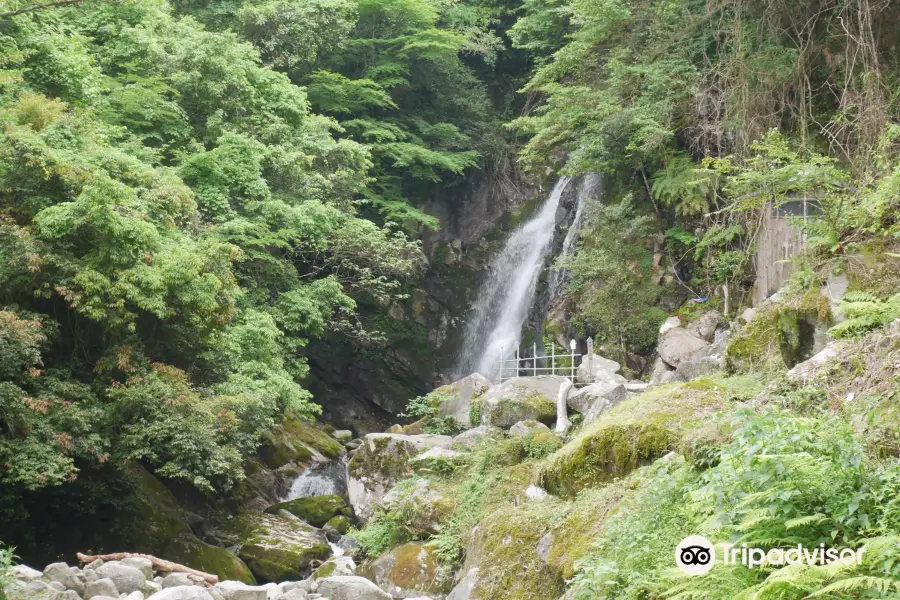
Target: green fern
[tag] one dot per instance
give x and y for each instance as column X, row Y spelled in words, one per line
column 865, row 312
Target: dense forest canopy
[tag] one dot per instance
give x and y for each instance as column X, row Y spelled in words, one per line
column 191, row 191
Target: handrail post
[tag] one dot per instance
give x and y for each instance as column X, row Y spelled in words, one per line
column 534, row 360
column 573, row 365
column 500, row 365
column 553, row 358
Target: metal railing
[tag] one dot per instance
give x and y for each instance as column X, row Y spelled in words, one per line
column 509, row 368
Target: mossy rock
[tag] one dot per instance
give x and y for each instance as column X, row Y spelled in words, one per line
column 277, row 547
column 505, row 550
column 316, row 510
column 190, row 551
column 780, row 335
column 608, row 453
column 572, row 537
column 297, row 441
column 340, row 523
column 517, row 400
column 161, row 530
column 409, row 570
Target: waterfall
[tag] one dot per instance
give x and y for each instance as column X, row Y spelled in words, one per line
column 495, row 328
column 559, row 277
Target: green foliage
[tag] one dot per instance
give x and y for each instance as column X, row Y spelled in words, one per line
column 864, row 313
column 428, row 408
column 611, row 280
column 7, row 558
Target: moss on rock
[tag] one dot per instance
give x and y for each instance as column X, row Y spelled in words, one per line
column 340, row 523
column 409, row 570
column 505, row 550
column 316, row 510
column 297, row 441
column 276, row 547
column 162, row 530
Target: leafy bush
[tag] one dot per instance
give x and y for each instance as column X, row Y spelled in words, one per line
column 865, row 312
column 427, row 408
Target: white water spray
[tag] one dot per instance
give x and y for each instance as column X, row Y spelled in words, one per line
column 495, row 327
column 559, row 277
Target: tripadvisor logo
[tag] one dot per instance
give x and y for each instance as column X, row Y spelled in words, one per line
column 695, row 555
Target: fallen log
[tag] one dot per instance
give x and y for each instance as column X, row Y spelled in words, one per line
column 159, row 565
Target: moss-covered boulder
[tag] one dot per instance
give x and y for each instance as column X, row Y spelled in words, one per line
column 455, row 399
column 316, row 510
column 780, row 334
column 382, row 461
column 633, row 433
column 277, row 547
column 340, row 523
column 410, row 571
column 607, row 453
column 336, row 566
column 425, row 507
column 505, row 550
column 297, row 441
column 162, row 530
column 517, row 400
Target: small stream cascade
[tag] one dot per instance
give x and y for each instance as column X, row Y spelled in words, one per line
column 319, row 479
column 506, row 295
column 591, row 185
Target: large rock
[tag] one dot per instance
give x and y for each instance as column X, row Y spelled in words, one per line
column 426, row 507
column 679, row 345
column 699, row 367
column 185, row 592
column 519, row 399
column 316, row 510
column 236, row 590
column 144, row 565
column 127, row 579
column 277, row 547
column 26, row 573
column 472, row 437
column 297, row 442
column 101, row 587
column 70, row 577
column 607, row 393
column 164, row 532
column 705, row 325
column 349, row 587
column 336, row 566
column 455, row 399
column 804, row 372
column 662, row 373
column 409, row 571
column 524, row 428
column 595, row 368
column 463, row 590
column 382, row 461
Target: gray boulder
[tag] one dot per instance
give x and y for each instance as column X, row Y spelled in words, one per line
column 294, row 594
column 101, row 587
column 105, row 598
column 699, row 367
column 350, row 587
column 456, row 398
column 26, row 573
column 336, row 566
column 670, row 323
column 595, row 368
column 69, row 577
column 425, row 506
column 127, row 579
column 472, row 437
column 679, row 345
column 523, row 428
column 705, row 325
column 176, row 580
column 236, row 590
column 410, row 570
column 463, row 590
column 134, row 596
column 144, row 565
column 151, row 587
column 804, row 372
column 382, row 461
column 583, row 400
column 662, row 373
column 342, row 435
column 182, row 592
column 519, row 399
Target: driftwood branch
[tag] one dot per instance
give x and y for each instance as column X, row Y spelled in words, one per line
column 160, row 565
column 36, row 7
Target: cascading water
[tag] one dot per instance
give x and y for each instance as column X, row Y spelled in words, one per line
column 495, row 327
column 319, row 479
column 589, row 185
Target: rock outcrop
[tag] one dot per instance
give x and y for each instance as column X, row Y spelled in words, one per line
column 381, row 461
column 410, row 571
column 518, row 399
